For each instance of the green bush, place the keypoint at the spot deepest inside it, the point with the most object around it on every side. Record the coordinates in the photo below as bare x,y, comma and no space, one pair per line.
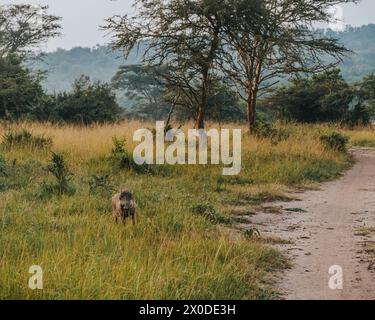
24,138
335,141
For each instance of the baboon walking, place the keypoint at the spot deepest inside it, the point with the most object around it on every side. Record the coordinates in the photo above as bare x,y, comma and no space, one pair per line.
124,206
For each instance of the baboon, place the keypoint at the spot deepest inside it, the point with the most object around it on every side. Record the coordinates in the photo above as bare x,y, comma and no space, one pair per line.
124,206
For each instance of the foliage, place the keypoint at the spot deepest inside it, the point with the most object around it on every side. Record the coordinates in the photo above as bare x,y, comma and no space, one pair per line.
20,89
335,141
324,97
275,39
265,130
23,28
144,86
184,34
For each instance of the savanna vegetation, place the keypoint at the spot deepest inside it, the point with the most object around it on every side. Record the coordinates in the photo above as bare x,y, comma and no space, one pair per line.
55,211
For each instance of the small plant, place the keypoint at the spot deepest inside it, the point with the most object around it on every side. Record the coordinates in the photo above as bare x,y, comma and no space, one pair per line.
60,171
208,212
119,155
251,234
124,160
219,184
3,167
335,141
24,138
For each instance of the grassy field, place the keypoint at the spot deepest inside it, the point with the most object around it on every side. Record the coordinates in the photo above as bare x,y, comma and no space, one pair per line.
176,251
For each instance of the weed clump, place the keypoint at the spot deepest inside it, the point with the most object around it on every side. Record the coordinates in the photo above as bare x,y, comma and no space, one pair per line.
25,139
335,141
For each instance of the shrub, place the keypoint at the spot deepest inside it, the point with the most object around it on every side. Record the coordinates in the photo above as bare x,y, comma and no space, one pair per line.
87,103
335,141
265,130
124,160
24,138
62,174
207,211
101,183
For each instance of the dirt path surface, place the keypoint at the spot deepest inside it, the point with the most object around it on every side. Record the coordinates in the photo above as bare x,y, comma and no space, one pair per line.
327,227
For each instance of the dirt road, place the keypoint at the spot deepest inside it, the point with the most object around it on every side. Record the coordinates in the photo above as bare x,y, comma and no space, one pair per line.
328,227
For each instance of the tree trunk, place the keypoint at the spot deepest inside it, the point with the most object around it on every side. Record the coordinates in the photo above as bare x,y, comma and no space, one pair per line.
199,124
170,115
251,111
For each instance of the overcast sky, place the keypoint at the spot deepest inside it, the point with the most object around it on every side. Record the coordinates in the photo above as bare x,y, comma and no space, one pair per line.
82,18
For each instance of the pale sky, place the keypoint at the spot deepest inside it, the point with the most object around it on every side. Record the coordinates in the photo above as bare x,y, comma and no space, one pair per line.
82,18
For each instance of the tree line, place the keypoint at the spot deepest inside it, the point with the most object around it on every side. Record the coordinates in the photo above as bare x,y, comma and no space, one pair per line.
201,60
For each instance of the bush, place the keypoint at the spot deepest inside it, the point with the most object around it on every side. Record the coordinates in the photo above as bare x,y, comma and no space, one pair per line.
265,130
207,211
124,160
87,103
335,141
24,138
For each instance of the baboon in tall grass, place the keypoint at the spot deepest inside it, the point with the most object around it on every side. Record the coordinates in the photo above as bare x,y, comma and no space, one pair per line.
124,206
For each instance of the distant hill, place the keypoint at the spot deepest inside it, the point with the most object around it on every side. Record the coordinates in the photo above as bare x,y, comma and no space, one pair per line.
64,66
100,63
361,41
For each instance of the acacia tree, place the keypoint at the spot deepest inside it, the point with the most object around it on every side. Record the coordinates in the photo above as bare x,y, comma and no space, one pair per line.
23,28
185,35
145,85
270,39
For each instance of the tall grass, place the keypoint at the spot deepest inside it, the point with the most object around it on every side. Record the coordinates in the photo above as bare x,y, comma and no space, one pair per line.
172,253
